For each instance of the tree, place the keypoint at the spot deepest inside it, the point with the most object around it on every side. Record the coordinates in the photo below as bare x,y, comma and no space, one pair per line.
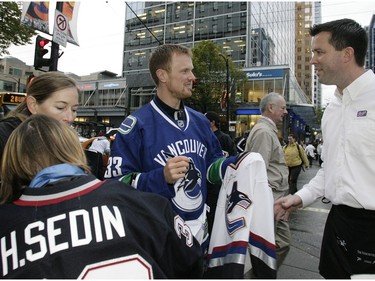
210,69
12,31
319,115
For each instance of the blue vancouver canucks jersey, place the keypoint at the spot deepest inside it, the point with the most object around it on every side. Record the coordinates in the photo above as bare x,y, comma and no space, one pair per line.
145,141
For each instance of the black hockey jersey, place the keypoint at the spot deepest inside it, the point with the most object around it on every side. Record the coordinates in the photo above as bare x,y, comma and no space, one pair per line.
244,223
86,228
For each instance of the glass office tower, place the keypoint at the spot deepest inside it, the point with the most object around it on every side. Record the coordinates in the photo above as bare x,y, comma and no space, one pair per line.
252,33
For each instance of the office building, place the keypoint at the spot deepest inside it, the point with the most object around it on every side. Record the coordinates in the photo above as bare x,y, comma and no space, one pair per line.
303,69
14,74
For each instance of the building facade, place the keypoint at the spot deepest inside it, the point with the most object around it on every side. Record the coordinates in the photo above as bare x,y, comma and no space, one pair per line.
317,87
14,74
104,103
304,20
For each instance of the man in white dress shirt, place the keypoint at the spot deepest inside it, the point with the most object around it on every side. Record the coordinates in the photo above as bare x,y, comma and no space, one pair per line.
347,176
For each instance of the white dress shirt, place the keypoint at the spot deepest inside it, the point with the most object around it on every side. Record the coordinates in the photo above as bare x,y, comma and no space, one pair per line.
347,175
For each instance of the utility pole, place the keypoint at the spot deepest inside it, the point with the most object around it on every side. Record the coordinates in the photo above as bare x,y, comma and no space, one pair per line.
55,46
227,83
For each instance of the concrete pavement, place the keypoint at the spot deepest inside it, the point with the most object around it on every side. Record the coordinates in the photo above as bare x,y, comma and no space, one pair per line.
307,226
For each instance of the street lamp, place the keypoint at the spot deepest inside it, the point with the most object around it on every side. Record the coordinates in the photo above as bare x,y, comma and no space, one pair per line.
227,82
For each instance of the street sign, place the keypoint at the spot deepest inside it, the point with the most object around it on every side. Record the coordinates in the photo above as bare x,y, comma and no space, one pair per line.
60,29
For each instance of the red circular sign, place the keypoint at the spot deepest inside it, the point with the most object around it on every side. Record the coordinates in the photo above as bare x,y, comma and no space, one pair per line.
61,22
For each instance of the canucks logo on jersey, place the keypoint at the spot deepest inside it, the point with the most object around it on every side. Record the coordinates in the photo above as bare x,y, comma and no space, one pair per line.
234,219
189,196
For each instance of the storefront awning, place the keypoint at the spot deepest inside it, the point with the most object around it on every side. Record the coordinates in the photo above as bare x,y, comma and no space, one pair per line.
307,113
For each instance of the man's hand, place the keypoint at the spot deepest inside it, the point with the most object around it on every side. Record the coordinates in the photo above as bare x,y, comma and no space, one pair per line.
285,205
175,168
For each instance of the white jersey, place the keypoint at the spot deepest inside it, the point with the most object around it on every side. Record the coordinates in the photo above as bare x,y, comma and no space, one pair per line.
244,222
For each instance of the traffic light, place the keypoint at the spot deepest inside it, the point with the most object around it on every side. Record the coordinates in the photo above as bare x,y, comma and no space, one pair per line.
40,51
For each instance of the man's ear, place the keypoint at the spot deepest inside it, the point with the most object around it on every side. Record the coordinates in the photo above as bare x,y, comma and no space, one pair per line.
162,75
349,54
270,107
31,104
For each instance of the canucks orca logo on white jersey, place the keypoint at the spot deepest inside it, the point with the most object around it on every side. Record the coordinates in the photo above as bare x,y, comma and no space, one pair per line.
189,196
234,218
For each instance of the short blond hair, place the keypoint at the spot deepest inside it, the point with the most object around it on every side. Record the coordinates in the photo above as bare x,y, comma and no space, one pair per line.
39,142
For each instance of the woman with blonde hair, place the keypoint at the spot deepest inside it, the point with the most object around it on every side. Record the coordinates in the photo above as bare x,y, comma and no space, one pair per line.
38,155
60,222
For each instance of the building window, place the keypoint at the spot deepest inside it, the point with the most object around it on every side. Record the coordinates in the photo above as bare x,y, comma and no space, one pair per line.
230,26
214,28
15,71
201,8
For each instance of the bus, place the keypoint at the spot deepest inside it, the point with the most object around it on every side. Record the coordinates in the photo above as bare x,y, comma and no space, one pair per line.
9,101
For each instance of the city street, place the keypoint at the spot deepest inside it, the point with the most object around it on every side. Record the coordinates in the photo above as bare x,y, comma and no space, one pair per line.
307,226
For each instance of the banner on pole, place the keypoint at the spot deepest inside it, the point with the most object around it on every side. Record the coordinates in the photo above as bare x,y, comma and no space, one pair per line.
35,15
70,10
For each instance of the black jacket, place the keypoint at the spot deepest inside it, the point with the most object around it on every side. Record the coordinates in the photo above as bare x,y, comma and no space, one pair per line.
84,228
226,142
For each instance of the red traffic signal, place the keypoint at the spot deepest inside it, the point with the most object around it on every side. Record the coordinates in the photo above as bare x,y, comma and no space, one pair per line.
43,42
40,52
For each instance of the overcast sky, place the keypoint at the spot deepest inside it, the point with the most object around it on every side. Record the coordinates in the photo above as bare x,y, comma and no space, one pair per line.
101,30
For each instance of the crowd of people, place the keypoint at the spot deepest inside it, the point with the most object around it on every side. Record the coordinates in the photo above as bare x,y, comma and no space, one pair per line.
153,213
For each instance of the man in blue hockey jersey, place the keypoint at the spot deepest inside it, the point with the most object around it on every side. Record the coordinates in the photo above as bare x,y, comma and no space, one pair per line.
168,148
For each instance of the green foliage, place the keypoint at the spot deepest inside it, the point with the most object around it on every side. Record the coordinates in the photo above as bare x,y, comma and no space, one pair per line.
319,115
210,69
11,29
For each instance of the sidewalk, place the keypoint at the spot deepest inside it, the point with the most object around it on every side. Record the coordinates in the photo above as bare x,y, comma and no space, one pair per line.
306,227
